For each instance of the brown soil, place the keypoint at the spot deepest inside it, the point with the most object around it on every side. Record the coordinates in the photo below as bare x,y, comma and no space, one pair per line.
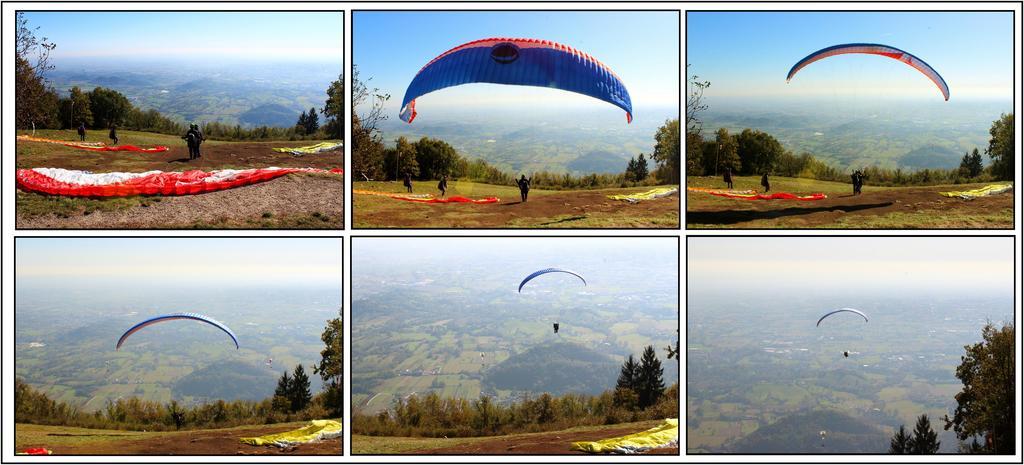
825,213
220,442
552,210
245,207
539,444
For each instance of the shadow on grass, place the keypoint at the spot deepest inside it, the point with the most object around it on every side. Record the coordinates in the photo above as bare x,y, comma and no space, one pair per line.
742,216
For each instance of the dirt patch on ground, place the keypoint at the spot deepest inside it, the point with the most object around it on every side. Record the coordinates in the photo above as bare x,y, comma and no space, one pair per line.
546,443
294,200
556,210
828,212
219,442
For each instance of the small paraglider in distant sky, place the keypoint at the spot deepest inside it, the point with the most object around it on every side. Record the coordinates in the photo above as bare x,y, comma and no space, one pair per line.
823,433
270,362
846,353
546,271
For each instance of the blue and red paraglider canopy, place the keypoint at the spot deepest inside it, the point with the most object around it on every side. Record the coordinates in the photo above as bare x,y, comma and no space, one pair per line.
523,62
176,316
874,49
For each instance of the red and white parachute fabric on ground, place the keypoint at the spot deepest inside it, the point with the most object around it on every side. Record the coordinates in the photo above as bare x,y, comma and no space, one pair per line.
751,195
96,146
75,183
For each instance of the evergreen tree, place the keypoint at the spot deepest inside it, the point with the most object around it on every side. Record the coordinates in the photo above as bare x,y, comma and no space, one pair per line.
650,384
312,122
925,440
299,395
900,443
975,165
631,169
303,122
640,169
282,393
628,375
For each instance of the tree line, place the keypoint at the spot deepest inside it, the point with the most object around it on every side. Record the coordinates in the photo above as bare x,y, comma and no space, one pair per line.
292,401
640,394
753,152
431,159
39,106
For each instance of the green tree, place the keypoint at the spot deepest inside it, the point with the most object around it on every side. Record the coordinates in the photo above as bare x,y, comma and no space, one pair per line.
435,158
925,440
401,159
282,394
631,169
1000,147
35,103
757,151
986,403
367,148
334,109
650,384
302,123
312,122
108,106
629,374
667,151
640,169
76,110
299,395
900,442
726,154
330,366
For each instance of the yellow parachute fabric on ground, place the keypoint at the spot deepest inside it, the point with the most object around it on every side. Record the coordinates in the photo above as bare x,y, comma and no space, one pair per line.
316,430
648,195
979,192
69,143
316,148
663,435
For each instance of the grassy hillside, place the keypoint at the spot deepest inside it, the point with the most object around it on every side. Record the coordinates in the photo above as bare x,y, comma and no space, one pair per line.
545,208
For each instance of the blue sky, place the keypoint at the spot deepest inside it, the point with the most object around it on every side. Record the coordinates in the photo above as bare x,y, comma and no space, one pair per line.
748,54
641,47
255,36
167,262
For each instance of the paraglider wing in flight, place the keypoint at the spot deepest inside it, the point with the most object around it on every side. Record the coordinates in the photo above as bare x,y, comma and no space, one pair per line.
177,316
841,310
522,62
874,49
546,271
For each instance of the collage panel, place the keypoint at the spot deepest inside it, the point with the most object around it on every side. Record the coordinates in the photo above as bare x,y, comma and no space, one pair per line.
179,119
851,119
491,119
193,346
535,346
871,345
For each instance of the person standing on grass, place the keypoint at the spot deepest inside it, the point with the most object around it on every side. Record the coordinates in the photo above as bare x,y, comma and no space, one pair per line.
764,182
113,134
81,131
442,185
524,187
407,182
199,139
727,177
190,138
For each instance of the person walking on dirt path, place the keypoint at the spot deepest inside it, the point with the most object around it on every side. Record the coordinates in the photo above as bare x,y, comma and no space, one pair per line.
407,182
524,187
727,177
81,131
442,185
764,182
113,134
